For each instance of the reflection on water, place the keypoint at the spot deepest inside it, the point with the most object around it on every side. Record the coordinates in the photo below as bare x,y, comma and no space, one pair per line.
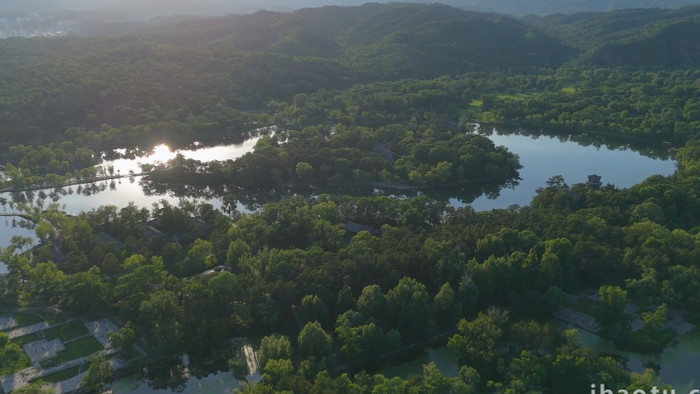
222,152
12,226
121,191
185,374
161,154
130,163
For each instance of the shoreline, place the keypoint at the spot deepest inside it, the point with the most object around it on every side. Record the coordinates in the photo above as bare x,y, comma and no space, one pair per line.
9,189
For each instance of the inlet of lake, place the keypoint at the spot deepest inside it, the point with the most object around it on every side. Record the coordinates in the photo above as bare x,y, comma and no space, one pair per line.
541,158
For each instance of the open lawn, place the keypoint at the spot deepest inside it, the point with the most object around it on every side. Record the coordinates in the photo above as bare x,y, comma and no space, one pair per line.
82,347
54,318
62,375
516,96
66,332
27,319
25,339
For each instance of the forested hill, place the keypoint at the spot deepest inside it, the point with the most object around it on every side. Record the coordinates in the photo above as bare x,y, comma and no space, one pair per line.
547,7
242,62
179,71
405,40
634,37
420,40
676,45
601,27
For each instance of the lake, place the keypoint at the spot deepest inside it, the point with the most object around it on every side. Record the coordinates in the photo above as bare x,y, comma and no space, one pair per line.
541,158
119,192
545,156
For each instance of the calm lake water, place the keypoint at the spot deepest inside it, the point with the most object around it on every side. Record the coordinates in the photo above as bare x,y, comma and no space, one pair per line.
120,192
542,157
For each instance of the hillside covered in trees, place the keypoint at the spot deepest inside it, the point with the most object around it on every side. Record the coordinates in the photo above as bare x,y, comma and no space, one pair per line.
380,95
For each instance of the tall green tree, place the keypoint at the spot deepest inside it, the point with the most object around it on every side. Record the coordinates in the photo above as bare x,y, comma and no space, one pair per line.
475,342
409,305
98,374
372,303
446,309
314,341
612,301
274,346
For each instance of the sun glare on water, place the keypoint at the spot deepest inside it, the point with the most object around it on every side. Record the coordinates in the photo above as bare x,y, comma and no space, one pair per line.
161,154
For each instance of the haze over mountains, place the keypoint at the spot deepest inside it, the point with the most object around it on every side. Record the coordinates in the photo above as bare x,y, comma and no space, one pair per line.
409,37
31,18
150,8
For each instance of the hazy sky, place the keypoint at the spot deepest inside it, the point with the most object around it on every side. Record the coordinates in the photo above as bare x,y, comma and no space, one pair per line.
141,9
169,6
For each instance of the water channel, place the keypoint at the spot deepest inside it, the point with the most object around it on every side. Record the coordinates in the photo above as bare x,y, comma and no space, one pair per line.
541,158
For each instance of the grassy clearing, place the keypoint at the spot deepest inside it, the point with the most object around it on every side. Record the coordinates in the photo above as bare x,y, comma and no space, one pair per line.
27,319
476,103
517,96
568,90
82,347
29,338
55,318
66,332
62,375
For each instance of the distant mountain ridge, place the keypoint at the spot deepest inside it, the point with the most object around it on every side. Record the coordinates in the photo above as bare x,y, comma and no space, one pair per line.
675,45
412,40
249,60
138,9
408,40
586,30
547,7
635,37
